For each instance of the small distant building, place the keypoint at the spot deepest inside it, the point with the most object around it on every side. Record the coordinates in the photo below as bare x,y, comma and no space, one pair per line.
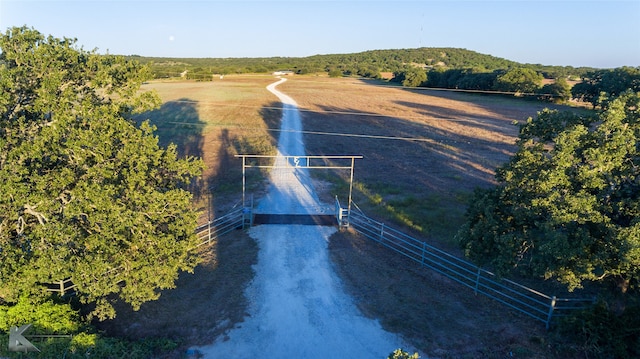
283,73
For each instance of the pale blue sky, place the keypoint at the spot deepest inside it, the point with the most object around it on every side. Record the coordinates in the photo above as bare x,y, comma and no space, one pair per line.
602,34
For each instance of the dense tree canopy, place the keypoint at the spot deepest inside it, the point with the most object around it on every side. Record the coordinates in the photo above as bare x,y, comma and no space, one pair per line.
568,203
558,91
366,64
410,77
600,86
86,195
520,80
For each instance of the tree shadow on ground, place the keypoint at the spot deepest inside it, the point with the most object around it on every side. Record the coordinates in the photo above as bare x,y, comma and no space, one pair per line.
393,147
178,122
227,176
194,313
272,116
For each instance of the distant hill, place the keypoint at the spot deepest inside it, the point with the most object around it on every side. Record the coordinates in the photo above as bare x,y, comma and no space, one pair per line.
366,64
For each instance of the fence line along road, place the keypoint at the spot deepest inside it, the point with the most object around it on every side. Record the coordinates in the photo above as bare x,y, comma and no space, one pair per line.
533,303
206,233
237,218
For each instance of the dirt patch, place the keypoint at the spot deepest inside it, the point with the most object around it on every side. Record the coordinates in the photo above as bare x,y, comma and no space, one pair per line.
440,317
204,305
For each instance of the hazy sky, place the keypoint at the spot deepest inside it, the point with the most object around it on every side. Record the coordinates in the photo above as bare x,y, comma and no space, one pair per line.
601,34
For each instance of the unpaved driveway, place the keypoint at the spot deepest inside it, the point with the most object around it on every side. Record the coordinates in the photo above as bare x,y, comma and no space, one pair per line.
298,306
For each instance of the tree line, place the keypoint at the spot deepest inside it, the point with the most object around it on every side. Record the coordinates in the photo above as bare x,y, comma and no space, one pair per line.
594,86
447,68
370,64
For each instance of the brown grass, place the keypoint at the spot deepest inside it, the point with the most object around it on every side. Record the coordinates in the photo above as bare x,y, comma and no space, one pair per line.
445,145
424,152
216,121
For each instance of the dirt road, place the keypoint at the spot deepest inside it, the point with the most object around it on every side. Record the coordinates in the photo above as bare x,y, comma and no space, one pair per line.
298,306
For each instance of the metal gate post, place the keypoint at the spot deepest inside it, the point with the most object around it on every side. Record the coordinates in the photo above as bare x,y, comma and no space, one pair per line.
346,217
552,307
353,159
244,167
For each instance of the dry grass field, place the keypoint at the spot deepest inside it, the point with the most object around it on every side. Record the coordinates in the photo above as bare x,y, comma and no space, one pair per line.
216,121
424,153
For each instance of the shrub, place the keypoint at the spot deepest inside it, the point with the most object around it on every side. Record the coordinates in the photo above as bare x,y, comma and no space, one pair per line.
602,333
401,354
45,316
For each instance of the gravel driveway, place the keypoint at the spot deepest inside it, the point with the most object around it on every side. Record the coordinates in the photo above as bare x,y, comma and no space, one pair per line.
298,307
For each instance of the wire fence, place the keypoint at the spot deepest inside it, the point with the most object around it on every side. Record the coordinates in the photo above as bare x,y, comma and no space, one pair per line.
540,306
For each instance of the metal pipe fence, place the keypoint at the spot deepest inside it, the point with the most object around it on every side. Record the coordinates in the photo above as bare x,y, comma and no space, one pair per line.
206,233
237,218
528,301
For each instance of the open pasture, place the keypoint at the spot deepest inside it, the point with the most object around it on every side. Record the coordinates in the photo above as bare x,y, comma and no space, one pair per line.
424,150
216,121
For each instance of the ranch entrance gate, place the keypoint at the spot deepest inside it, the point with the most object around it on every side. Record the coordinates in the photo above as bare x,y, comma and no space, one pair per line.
291,163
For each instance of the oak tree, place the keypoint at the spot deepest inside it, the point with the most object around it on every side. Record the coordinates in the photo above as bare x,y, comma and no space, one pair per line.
410,76
600,86
559,91
568,203
86,195
519,80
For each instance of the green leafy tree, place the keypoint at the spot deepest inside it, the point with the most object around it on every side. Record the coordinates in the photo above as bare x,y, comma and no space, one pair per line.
519,80
568,203
477,80
586,91
333,72
559,91
599,87
86,195
412,77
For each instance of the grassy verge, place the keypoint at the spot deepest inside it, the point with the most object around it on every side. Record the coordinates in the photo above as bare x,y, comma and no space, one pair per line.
424,150
84,345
